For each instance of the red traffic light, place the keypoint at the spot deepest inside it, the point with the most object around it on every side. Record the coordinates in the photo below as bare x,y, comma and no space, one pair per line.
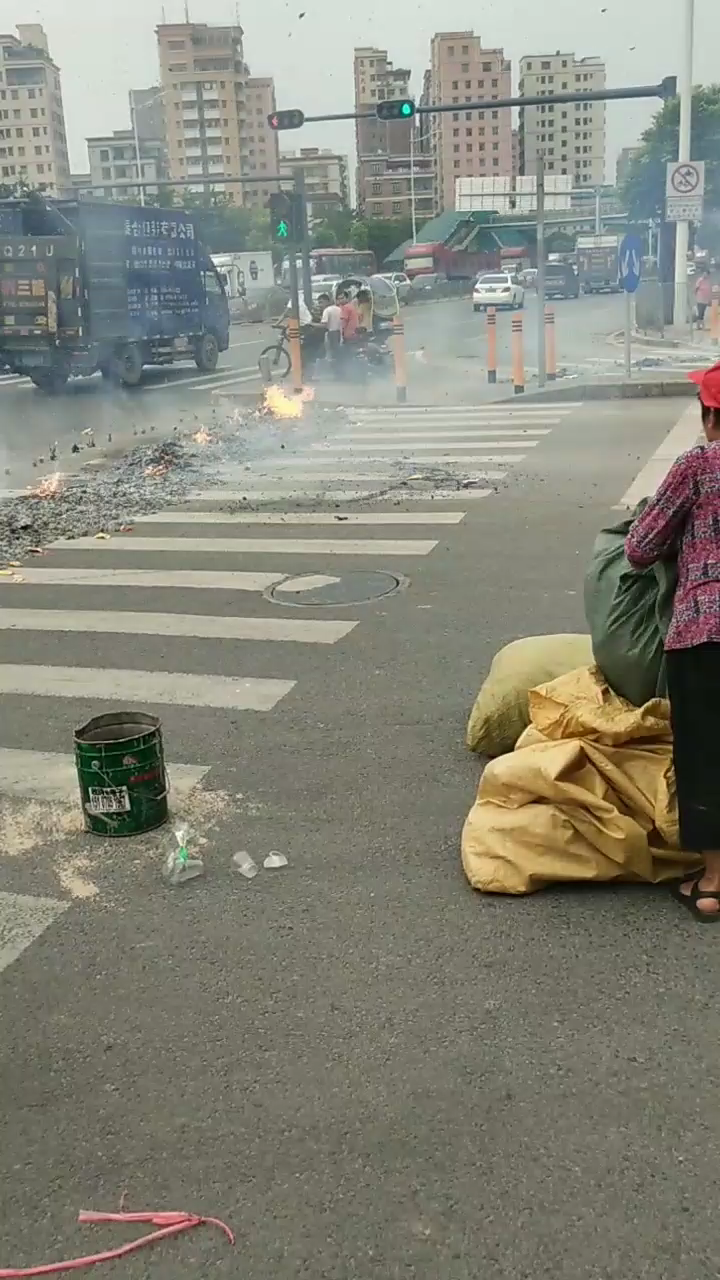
286,120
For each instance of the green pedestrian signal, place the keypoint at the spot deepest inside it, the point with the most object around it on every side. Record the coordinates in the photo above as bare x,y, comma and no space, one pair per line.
396,109
286,217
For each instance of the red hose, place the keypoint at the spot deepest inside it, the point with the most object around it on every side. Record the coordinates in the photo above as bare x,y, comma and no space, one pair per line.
170,1224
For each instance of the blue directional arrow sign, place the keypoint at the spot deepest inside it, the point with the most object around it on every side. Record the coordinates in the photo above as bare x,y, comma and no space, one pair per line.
630,262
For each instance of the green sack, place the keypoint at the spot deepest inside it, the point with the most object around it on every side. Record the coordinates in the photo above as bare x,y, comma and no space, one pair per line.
628,613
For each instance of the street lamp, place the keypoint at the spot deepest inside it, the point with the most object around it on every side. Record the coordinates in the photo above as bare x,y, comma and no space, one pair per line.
136,135
413,213
685,82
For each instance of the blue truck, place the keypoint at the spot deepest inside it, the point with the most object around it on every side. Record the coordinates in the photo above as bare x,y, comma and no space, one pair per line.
88,286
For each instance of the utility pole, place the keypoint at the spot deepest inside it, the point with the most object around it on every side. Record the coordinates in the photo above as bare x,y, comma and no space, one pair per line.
598,226
304,238
682,233
413,214
138,160
541,354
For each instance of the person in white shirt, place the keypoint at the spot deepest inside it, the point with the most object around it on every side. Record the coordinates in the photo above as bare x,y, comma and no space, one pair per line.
332,320
304,315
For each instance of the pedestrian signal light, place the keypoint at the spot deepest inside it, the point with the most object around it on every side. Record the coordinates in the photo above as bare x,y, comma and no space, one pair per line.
286,217
397,109
286,120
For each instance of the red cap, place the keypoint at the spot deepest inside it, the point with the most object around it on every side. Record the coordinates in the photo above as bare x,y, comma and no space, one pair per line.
708,380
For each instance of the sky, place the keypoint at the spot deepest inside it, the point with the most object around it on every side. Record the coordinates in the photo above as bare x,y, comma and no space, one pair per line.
105,48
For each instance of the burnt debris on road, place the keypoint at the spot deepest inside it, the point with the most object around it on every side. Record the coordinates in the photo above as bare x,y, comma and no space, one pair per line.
106,495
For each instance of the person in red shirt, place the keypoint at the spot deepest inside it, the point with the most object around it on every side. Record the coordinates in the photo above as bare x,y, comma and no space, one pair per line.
684,516
349,316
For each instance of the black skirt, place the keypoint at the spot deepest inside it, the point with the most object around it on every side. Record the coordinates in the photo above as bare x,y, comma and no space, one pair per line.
693,677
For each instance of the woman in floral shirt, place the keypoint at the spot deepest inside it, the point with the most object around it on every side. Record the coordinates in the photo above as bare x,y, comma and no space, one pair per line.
684,516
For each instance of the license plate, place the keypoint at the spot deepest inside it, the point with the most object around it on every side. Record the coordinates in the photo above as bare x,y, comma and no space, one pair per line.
108,800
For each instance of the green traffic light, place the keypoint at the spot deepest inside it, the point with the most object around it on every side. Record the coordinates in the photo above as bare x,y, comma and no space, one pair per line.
282,230
406,109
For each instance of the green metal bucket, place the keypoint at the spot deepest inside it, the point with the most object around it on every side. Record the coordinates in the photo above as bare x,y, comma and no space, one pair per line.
121,771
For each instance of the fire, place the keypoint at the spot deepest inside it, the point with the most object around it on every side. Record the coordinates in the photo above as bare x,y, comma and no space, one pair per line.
202,436
280,405
158,471
49,486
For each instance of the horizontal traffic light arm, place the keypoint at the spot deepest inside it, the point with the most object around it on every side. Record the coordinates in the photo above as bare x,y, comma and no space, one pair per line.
666,89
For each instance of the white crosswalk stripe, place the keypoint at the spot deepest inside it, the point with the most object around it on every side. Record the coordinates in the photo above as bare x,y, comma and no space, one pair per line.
197,626
390,445
23,919
259,546
302,517
51,775
456,433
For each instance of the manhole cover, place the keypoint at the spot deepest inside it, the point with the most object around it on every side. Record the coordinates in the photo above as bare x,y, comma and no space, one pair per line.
313,590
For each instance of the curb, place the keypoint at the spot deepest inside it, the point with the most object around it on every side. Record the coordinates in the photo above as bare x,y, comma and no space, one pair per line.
642,339
633,390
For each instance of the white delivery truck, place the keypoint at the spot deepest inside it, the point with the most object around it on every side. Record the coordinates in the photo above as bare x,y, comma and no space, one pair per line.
248,277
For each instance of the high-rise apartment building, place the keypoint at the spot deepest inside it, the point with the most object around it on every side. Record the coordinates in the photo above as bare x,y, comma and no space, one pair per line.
466,143
327,182
33,143
113,160
215,111
570,136
624,164
259,149
384,180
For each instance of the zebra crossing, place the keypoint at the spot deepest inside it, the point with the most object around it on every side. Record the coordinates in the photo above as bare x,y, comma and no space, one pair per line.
88,599
403,453
186,590
184,598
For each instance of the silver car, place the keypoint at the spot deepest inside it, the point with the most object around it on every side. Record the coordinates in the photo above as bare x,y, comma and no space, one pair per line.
400,283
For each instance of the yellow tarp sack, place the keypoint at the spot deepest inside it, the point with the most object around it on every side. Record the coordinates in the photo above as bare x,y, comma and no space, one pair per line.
588,794
501,710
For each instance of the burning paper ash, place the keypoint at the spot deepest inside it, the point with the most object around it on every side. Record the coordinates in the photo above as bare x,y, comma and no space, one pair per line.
277,404
202,436
72,506
49,486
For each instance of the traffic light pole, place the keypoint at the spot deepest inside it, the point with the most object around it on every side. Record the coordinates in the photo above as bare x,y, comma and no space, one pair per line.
294,325
305,238
392,110
540,259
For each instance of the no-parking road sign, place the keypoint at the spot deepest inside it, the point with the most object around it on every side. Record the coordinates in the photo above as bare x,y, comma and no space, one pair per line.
684,190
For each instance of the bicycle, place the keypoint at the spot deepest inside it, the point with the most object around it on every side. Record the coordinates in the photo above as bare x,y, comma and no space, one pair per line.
277,357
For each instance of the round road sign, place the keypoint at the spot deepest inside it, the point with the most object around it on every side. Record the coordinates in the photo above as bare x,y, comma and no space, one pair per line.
686,179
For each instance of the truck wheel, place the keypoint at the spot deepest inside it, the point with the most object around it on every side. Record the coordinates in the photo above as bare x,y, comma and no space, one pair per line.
126,366
207,353
51,381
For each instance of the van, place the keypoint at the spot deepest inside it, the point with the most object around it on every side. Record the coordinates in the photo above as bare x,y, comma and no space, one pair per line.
561,281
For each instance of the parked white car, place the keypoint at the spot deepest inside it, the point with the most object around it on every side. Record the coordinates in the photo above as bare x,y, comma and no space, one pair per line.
400,283
498,289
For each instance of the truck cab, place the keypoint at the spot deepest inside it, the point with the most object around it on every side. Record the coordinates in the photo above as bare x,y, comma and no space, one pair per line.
87,287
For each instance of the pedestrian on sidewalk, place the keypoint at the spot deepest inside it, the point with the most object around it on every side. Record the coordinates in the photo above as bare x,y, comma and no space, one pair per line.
684,515
703,297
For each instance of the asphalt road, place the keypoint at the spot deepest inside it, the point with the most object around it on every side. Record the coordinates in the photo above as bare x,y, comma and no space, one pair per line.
364,1067
446,343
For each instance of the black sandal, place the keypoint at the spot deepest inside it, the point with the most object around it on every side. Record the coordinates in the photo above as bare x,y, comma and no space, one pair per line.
690,900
